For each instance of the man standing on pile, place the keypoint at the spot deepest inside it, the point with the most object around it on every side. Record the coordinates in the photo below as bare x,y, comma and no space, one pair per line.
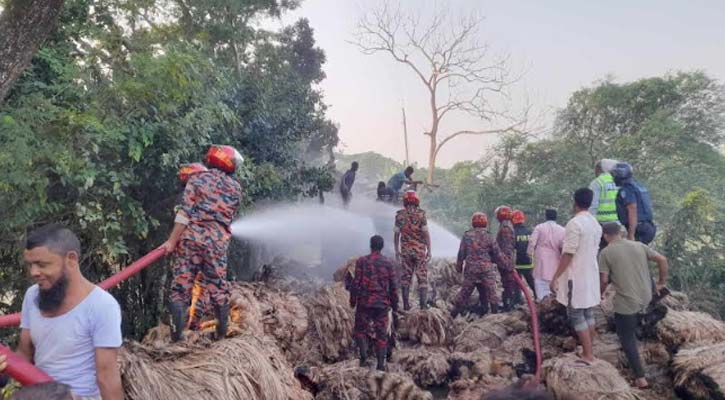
202,230
479,251
576,281
624,263
604,207
373,293
634,206
545,247
412,247
524,266
396,182
506,242
348,179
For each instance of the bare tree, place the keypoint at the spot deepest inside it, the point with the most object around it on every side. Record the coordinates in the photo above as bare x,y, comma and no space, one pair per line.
24,25
460,73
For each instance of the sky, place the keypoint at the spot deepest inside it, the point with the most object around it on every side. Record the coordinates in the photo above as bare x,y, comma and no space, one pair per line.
563,45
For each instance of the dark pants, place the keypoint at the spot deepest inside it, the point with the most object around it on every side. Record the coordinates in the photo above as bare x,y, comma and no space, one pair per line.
645,232
626,330
528,275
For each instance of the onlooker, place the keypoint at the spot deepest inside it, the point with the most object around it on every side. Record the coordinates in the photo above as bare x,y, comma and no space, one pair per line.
634,206
44,391
576,281
397,181
70,328
348,179
624,263
385,193
545,247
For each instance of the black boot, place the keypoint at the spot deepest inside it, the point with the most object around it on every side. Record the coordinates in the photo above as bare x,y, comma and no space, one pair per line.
380,353
406,298
423,294
455,311
222,316
362,345
507,300
178,320
482,308
494,308
517,297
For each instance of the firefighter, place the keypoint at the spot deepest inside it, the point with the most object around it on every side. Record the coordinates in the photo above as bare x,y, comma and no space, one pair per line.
524,266
506,243
412,247
199,298
201,235
479,251
373,293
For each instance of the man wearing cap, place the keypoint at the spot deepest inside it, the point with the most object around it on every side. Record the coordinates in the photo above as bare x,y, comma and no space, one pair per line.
603,206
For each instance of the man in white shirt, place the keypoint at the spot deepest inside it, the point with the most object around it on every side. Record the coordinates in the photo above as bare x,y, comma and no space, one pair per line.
576,281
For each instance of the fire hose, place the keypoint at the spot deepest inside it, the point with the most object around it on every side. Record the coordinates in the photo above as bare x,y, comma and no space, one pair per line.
534,328
26,373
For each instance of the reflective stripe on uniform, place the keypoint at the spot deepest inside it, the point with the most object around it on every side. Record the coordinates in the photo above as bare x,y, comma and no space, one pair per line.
607,210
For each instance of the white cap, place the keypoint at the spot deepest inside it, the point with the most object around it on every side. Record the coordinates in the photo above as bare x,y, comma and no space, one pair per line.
607,164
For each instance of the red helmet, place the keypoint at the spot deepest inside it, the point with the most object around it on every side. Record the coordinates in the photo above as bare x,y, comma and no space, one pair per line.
411,199
518,217
479,220
187,170
225,158
503,213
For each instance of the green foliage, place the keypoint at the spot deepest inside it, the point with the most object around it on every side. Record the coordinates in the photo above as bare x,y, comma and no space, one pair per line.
121,95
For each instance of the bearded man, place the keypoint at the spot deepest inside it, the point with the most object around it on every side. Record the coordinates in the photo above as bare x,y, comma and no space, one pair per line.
70,328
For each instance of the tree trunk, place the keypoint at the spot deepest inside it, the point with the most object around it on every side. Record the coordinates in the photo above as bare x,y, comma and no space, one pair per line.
24,25
431,158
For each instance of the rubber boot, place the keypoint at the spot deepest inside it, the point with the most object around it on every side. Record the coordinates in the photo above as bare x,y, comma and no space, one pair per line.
380,353
482,308
222,316
455,311
406,298
494,308
423,295
362,345
178,320
507,300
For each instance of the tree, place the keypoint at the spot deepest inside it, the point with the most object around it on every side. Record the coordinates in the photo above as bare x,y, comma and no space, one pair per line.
24,25
460,74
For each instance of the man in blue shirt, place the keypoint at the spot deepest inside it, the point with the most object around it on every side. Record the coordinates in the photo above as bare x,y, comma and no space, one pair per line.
634,206
397,181
70,328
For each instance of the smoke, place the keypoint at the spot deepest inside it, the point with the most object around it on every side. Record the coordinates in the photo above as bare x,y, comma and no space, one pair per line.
326,236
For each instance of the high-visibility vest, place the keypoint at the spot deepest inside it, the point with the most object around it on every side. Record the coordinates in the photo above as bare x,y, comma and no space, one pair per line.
607,211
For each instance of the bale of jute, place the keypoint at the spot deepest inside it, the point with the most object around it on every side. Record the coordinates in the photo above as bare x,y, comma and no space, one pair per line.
678,328
429,327
243,367
471,365
346,380
489,331
700,371
552,317
565,376
428,366
475,389
331,320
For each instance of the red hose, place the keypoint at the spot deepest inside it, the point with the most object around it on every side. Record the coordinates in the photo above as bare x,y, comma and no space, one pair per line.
534,327
28,374
21,370
131,270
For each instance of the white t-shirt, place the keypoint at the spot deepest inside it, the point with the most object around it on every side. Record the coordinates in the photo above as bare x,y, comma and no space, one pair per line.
581,238
65,345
